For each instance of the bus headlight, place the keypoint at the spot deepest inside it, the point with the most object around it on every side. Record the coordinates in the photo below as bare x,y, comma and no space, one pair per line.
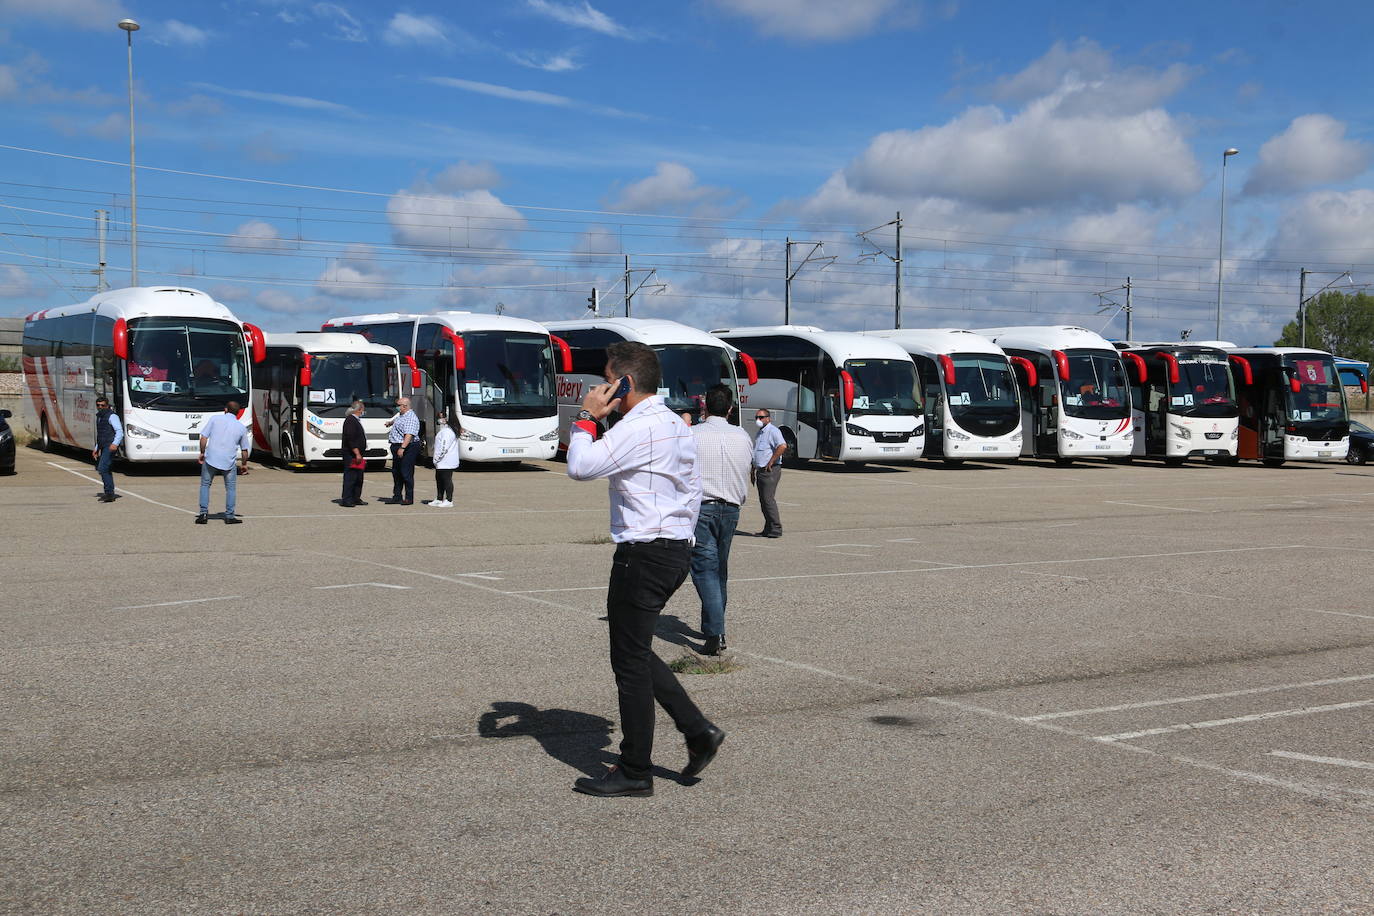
1182,432
1016,436
549,436
854,430
956,435
139,432
1235,433
1070,434
920,430
469,436
316,431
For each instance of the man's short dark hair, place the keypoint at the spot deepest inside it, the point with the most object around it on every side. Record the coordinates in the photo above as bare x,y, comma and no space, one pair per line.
719,400
637,360
232,406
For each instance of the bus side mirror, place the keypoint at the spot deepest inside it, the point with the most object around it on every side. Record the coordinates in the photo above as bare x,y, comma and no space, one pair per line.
564,353
1247,375
1137,363
416,383
121,339
847,385
460,350
1364,385
256,340
751,368
305,370
1028,367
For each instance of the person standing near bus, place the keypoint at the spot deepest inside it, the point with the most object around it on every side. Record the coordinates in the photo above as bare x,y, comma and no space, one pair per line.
445,459
223,439
769,446
649,459
725,456
404,439
109,433
355,464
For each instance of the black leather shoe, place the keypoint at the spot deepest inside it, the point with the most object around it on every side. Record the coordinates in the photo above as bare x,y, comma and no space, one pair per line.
615,784
361,502
107,497
202,519
233,520
701,750
714,645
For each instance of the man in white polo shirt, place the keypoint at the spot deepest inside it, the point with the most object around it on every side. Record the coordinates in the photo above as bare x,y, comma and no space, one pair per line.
649,459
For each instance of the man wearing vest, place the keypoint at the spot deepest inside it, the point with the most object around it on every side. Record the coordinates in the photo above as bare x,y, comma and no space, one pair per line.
109,434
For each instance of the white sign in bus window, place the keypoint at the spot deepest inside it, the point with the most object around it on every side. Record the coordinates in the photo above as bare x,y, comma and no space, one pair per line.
329,396
317,397
474,390
861,402
663,392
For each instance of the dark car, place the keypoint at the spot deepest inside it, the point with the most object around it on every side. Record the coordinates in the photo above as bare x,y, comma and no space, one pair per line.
6,444
1361,443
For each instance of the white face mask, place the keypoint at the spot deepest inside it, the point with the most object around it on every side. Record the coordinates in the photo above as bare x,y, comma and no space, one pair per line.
760,423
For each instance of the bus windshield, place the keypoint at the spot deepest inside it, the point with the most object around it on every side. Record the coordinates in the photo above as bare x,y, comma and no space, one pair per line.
186,364
884,386
1204,387
1320,395
688,370
339,379
508,375
983,396
1096,386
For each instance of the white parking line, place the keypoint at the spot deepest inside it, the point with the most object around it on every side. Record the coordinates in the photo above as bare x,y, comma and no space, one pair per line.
1344,614
824,546
139,607
1234,720
1146,704
1115,502
1333,761
121,489
362,585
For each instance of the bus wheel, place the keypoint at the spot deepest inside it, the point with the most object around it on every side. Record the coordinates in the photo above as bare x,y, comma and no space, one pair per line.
1356,455
1273,462
288,450
44,439
1175,461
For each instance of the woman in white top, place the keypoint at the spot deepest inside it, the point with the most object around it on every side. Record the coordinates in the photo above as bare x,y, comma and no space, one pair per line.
445,459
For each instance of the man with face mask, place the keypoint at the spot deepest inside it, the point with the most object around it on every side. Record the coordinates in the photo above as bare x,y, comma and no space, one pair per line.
769,446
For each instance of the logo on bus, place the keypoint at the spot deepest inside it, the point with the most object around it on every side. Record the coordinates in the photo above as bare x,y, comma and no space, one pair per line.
569,390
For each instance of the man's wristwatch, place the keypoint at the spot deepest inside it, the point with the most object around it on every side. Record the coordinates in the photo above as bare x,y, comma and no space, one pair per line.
584,414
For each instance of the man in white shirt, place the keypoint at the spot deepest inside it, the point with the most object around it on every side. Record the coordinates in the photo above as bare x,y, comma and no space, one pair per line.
724,455
649,459
769,447
224,448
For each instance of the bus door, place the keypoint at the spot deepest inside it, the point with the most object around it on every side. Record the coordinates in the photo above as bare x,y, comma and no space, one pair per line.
1273,422
1156,410
806,406
828,433
1046,404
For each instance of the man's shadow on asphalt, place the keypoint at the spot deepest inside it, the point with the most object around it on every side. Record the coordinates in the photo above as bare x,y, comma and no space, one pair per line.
580,740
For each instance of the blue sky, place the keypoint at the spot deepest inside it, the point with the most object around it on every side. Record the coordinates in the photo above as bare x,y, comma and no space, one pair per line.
461,155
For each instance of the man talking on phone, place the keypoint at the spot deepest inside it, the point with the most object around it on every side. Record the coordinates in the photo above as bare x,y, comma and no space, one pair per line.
649,458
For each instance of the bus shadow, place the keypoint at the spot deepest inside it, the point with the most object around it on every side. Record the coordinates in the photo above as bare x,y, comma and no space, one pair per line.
833,467
501,467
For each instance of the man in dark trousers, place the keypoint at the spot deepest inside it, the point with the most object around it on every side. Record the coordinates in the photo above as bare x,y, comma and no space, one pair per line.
649,459
109,433
405,450
354,445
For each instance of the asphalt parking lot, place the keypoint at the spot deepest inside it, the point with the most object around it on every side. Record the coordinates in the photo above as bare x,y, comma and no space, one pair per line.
990,689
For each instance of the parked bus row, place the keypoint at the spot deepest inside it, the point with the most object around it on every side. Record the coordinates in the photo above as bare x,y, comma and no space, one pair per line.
167,357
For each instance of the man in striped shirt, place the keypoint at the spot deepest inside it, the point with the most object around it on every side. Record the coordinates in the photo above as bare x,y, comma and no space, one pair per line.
649,460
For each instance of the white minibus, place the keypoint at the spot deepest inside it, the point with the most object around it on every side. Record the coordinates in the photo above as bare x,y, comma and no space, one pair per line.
973,408
168,358
1183,402
302,391
692,361
1078,404
834,394
497,371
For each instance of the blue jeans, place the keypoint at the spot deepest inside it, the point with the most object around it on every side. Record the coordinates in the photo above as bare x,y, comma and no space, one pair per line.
209,473
711,563
102,466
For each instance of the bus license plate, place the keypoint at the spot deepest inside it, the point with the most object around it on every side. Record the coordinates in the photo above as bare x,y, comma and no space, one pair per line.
512,451
1211,451
1102,446
190,448
891,448
1325,454
989,448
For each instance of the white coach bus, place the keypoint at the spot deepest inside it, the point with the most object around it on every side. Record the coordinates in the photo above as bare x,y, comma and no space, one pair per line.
1292,405
168,358
1079,403
497,371
692,361
1183,402
835,394
971,394
303,389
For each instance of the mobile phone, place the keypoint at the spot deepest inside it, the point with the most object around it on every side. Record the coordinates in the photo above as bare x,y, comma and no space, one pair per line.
622,387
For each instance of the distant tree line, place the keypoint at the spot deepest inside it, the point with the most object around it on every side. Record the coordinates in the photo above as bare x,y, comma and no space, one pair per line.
1337,322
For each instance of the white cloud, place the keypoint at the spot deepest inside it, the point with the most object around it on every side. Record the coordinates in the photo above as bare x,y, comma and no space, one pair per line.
173,32
672,188
9,83
447,225
346,25
1312,151
820,20
15,283
85,14
1127,225
407,28
256,235
551,63
276,98
1330,226
1084,80
357,275
283,303
583,16
530,96
467,176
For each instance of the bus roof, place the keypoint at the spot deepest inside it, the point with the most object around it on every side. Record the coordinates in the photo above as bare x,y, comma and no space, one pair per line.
649,331
1047,337
458,321
839,345
1177,346
1279,351
144,302
935,341
317,342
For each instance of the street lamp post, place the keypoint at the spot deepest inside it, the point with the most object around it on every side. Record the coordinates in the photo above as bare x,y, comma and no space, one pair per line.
1221,240
130,27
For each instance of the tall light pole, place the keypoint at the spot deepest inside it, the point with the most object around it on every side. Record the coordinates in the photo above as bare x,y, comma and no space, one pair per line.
1221,240
130,27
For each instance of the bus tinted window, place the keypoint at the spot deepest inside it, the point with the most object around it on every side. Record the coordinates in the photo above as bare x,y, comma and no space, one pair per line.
1096,387
507,375
186,364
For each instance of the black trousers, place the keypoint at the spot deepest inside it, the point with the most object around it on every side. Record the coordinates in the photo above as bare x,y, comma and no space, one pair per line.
403,470
443,483
352,484
643,578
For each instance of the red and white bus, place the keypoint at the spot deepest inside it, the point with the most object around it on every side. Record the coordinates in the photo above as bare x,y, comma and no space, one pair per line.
168,358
